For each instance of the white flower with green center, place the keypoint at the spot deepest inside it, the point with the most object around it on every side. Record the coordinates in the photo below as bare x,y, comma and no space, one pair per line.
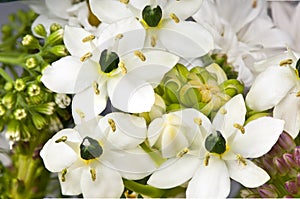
279,87
112,66
220,152
164,22
93,157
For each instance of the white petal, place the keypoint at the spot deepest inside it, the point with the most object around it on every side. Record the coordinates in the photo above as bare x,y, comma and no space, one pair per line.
71,185
133,36
183,8
58,156
281,14
62,75
259,137
186,39
89,104
73,40
288,110
132,164
89,73
174,172
210,181
58,7
47,21
154,130
250,176
129,133
270,87
130,94
103,10
153,69
233,112
108,183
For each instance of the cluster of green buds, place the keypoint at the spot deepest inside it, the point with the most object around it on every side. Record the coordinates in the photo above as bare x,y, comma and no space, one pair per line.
282,163
222,61
203,88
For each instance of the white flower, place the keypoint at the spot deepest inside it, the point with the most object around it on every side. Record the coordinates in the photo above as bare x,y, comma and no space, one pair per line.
93,157
278,86
243,31
164,22
219,152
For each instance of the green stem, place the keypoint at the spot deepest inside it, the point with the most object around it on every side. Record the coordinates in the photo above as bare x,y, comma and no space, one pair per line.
153,154
5,75
12,58
145,190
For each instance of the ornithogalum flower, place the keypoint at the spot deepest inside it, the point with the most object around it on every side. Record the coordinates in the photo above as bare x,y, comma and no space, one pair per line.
93,157
219,152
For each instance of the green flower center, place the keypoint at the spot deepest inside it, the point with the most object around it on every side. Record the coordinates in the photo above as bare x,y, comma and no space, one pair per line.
215,143
109,61
90,149
152,16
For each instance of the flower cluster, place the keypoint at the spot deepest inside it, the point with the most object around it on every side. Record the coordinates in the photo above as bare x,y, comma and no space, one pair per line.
171,98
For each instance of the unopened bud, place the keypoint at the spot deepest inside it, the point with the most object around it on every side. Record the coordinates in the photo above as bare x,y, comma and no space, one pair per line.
268,165
2,110
267,191
281,165
8,86
232,87
40,30
47,109
289,159
59,50
189,96
20,85
9,100
30,42
286,142
38,121
55,37
171,89
291,187
55,27
31,62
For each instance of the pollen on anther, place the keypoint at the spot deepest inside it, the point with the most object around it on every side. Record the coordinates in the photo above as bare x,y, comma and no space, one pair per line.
239,127
122,66
140,55
80,113
63,175
254,3
124,1
119,36
198,121
241,159
88,38
206,160
85,56
153,40
112,124
286,62
93,174
96,89
174,17
183,152
62,139
223,111
298,94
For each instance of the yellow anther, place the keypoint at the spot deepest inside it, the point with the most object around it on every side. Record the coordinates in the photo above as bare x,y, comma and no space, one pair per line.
124,1
223,111
112,124
140,55
63,175
88,38
96,89
93,174
198,121
153,40
80,113
298,94
119,36
129,194
122,66
174,17
254,3
239,127
206,160
62,139
183,152
286,62
241,159
85,56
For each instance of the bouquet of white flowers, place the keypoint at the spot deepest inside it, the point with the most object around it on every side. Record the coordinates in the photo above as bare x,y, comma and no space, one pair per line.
151,98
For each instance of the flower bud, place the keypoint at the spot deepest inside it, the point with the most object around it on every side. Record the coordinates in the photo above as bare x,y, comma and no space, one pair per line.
2,110
6,30
31,63
59,50
158,109
291,187
286,142
40,30
171,91
189,96
30,42
9,100
55,27
8,86
232,87
276,151
267,191
289,159
55,37
281,166
20,85
174,107
20,114
297,152
34,90
47,109
38,121
62,100
268,165
179,72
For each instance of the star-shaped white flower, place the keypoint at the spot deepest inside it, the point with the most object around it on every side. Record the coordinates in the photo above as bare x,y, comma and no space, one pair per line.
164,21
113,65
279,87
93,157
219,152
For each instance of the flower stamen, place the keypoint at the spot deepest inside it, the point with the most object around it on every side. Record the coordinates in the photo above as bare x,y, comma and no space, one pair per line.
206,159
62,139
112,124
122,66
298,94
93,174
63,175
119,36
174,18
88,38
96,89
198,121
124,1
80,113
140,55
254,3
239,127
183,152
223,111
85,56
286,62
241,159
153,40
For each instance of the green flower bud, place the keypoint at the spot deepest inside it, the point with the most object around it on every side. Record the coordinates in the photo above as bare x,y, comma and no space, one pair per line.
189,96
158,109
40,30
55,27
20,85
55,37
38,121
20,114
9,100
174,107
59,50
232,87
172,88
2,110
13,131
179,72
47,109
8,86
34,90
203,75
30,42
6,30
31,62
217,71
256,116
